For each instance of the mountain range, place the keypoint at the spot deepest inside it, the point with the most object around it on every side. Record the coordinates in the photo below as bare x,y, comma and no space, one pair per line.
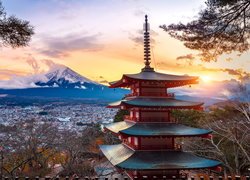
59,82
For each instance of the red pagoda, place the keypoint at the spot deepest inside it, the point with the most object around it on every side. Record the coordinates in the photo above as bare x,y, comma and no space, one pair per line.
148,134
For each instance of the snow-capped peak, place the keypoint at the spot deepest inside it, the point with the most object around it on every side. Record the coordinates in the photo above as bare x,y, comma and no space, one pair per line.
63,76
57,76
63,72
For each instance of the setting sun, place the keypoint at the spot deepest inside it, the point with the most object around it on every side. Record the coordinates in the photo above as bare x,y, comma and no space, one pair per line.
206,78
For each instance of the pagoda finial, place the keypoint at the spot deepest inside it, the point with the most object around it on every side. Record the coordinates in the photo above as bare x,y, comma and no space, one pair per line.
147,46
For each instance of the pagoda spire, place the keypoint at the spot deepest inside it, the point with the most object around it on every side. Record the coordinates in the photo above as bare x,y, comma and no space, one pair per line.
147,46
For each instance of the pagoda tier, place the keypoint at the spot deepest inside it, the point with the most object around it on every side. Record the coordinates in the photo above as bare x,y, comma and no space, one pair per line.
155,129
155,102
124,157
166,80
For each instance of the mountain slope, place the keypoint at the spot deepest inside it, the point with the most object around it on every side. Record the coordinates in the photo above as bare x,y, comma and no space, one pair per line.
64,77
60,82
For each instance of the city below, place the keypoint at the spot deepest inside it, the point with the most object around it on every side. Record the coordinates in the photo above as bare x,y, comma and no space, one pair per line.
64,115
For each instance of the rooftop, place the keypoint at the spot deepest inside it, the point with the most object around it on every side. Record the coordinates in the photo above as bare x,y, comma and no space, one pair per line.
156,102
170,79
123,157
155,129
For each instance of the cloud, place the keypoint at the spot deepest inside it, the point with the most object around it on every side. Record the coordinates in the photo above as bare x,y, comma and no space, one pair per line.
138,37
62,46
217,90
49,63
7,74
54,53
101,80
39,66
189,58
203,68
139,12
238,73
19,79
104,82
33,63
19,82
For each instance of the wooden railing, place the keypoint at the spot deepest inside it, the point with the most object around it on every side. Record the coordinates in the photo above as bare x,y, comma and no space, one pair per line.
151,94
130,95
152,147
154,119
157,94
127,117
147,119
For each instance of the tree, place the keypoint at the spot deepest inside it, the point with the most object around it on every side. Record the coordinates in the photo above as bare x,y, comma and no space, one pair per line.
82,151
188,117
230,141
14,32
28,146
120,115
222,27
35,148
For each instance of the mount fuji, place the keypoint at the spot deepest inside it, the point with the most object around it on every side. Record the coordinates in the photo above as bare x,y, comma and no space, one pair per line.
59,82
64,77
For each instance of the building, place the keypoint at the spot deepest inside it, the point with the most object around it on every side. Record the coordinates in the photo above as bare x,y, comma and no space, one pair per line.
149,133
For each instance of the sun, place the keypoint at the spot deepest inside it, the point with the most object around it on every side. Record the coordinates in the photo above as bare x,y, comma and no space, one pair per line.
206,78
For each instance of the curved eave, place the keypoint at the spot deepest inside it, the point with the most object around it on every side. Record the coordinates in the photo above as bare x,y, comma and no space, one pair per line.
156,76
163,129
168,79
116,153
170,103
115,104
155,129
125,158
119,126
119,83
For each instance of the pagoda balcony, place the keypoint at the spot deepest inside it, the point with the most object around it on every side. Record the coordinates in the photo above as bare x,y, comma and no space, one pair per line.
125,141
155,147
131,95
160,147
170,95
154,119
127,117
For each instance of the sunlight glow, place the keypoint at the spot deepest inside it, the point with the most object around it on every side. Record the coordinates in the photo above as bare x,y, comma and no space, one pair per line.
205,78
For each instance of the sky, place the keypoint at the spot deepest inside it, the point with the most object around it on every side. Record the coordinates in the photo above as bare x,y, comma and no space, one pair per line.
102,39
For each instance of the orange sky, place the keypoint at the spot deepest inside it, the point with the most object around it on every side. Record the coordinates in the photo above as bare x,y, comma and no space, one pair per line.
103,38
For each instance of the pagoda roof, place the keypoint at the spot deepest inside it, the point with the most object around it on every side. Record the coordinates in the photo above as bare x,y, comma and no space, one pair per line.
155,129
154,76
156,102
119,126
123,157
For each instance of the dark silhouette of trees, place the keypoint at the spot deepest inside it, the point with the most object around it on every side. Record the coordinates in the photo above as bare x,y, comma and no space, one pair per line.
222,27
230,139
14,32
120,115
